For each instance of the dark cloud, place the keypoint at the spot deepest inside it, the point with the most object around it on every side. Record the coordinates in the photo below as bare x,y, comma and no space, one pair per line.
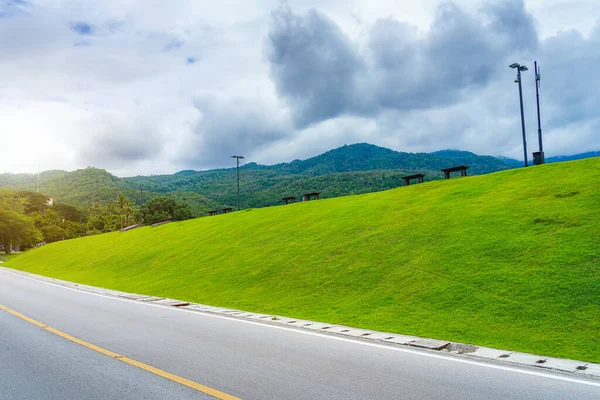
312,63
570,77
230,126
321,74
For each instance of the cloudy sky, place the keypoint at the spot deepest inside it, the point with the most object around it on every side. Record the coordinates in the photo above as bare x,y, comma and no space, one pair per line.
154,86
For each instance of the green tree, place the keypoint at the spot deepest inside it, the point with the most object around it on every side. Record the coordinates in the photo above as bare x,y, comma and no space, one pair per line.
165,208
17,229
125,210
34,201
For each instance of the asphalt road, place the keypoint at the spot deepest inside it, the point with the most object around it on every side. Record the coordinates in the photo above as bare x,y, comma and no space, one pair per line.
242,358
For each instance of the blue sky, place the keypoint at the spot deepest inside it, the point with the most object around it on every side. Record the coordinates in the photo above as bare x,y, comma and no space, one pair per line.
143,87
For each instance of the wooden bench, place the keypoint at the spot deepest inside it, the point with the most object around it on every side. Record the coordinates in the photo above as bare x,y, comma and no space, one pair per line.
289,199
461,168
313,195
213,212
227,210
415,176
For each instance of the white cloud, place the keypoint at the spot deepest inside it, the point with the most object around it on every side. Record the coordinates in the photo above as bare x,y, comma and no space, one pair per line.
123,96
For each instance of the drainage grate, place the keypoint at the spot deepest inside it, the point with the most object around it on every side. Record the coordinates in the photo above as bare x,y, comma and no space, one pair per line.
581,368
326,327
388,338
346,330
540,361
504,356
365,334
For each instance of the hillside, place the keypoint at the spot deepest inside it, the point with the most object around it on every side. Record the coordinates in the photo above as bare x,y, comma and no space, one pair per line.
93,185
354,169
507,260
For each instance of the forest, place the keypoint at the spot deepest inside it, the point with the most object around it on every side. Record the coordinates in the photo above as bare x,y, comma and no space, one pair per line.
29,218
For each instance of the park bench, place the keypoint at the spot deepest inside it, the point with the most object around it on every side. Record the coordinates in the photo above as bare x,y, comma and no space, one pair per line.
408,178
461,168
311,196
289,199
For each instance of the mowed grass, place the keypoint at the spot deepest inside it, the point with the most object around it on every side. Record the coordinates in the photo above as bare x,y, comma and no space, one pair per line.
9,256
508,260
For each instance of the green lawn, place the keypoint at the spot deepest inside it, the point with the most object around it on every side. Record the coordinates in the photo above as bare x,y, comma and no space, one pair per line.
8,256
508,260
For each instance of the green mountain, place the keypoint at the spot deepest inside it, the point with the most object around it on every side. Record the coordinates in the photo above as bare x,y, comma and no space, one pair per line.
572,157
353,169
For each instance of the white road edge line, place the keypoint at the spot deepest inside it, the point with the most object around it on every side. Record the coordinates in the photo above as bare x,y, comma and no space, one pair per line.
364,343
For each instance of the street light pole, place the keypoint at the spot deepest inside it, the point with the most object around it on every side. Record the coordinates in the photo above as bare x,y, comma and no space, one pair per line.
238,178
521,68
537,98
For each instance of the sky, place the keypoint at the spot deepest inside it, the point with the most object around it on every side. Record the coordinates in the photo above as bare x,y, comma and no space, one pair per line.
143,87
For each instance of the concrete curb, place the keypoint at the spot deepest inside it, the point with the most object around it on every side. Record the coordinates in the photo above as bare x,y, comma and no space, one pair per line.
573,367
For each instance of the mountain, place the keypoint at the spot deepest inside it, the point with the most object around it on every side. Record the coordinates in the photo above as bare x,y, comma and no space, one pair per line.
573,157
511,161
518,163
351,169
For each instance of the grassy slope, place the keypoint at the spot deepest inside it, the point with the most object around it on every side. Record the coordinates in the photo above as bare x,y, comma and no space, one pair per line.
508,260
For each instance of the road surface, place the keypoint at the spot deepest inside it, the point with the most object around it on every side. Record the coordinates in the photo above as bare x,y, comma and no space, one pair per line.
240,358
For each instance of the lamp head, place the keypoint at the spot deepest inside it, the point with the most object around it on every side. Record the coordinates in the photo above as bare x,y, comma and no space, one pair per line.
523,68
515,65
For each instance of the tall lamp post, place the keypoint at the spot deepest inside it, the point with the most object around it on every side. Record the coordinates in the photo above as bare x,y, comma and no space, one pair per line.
238,177
539,157
521,68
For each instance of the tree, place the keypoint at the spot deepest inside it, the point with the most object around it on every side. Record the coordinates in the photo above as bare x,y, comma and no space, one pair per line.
165,208
68,212
35,202
17,229
124,210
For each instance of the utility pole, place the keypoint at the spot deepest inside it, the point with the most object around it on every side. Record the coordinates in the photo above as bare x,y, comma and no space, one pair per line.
540,156
238,178
521,68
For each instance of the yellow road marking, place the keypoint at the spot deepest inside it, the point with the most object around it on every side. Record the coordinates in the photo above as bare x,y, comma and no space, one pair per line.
156,371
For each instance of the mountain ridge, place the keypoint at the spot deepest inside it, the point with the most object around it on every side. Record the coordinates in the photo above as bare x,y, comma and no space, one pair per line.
346,170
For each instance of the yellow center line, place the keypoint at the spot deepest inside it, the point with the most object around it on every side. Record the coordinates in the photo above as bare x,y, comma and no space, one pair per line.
156,371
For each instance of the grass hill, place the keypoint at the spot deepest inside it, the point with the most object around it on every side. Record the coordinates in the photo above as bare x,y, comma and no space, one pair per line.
509,260
354,169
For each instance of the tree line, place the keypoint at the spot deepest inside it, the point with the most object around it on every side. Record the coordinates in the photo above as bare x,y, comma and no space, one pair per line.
29,219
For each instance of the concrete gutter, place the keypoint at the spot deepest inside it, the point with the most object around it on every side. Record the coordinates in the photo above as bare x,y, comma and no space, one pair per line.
573,367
